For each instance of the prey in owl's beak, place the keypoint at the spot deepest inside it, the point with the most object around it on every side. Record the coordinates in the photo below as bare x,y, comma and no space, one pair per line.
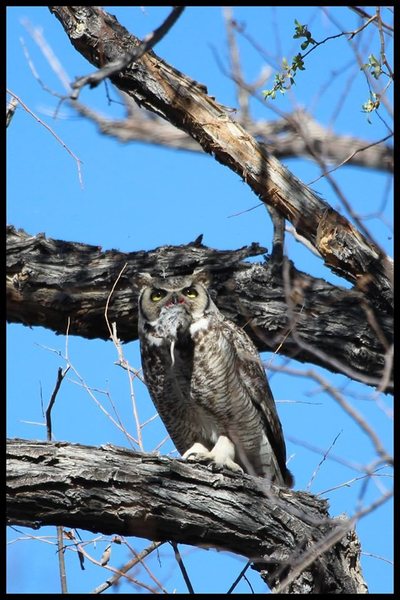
175,320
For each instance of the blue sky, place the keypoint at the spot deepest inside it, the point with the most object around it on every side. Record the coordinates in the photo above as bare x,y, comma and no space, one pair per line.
138,197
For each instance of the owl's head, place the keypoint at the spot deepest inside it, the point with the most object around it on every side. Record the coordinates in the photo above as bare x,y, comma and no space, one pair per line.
187,296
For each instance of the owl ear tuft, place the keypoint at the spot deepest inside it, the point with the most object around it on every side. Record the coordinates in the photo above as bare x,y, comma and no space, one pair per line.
200,275
140,280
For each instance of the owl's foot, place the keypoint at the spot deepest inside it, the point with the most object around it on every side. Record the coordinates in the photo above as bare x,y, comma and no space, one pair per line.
196,452
221,455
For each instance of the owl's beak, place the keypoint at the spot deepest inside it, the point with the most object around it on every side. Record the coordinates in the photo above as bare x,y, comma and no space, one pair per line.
175,299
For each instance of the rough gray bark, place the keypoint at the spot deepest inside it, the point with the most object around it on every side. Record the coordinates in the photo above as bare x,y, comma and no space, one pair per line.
116,491
163,90
51,281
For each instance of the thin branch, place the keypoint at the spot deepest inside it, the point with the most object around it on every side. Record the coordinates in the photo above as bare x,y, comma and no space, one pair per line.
122,361
60,376
350,482
60,530
363,26
24,106
239,577
352,412
364,15
333,457
111,329
118,423
371,555
61,559
348,158
37,35
146,568
127,567
323,459
182,567
241,91
382,40
117,572
302,130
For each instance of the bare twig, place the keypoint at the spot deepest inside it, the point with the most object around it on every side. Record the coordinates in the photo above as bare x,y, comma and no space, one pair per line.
60,530
348,158
364,15
323,459
61,559
37,35
382,40
302,130
60,376
312,448
182,567
89,390
239,577
141,558
24,106
363,26
117,572
371,555
110,329
117,423
129,565
350,482
351,411
241,92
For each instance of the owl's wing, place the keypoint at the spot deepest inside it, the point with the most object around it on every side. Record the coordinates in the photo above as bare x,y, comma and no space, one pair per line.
252,375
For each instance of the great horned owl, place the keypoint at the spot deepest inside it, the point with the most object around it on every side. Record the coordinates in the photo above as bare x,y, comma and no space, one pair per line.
206,379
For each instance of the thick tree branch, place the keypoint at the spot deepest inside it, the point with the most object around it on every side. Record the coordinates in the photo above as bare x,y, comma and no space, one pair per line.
160,88
116,491
53,283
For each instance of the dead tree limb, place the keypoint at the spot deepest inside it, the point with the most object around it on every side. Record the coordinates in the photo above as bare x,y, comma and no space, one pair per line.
52,283
164,90
280,137
116,491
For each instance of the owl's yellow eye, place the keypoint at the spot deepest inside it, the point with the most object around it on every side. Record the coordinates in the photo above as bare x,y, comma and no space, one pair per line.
190,292
157,295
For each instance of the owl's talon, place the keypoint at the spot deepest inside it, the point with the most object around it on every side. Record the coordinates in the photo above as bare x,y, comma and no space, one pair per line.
196,452
220,456
223,454
230,464
197,457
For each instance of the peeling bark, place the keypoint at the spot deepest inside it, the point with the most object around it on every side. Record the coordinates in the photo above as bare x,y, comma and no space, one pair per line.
116,491
50,282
